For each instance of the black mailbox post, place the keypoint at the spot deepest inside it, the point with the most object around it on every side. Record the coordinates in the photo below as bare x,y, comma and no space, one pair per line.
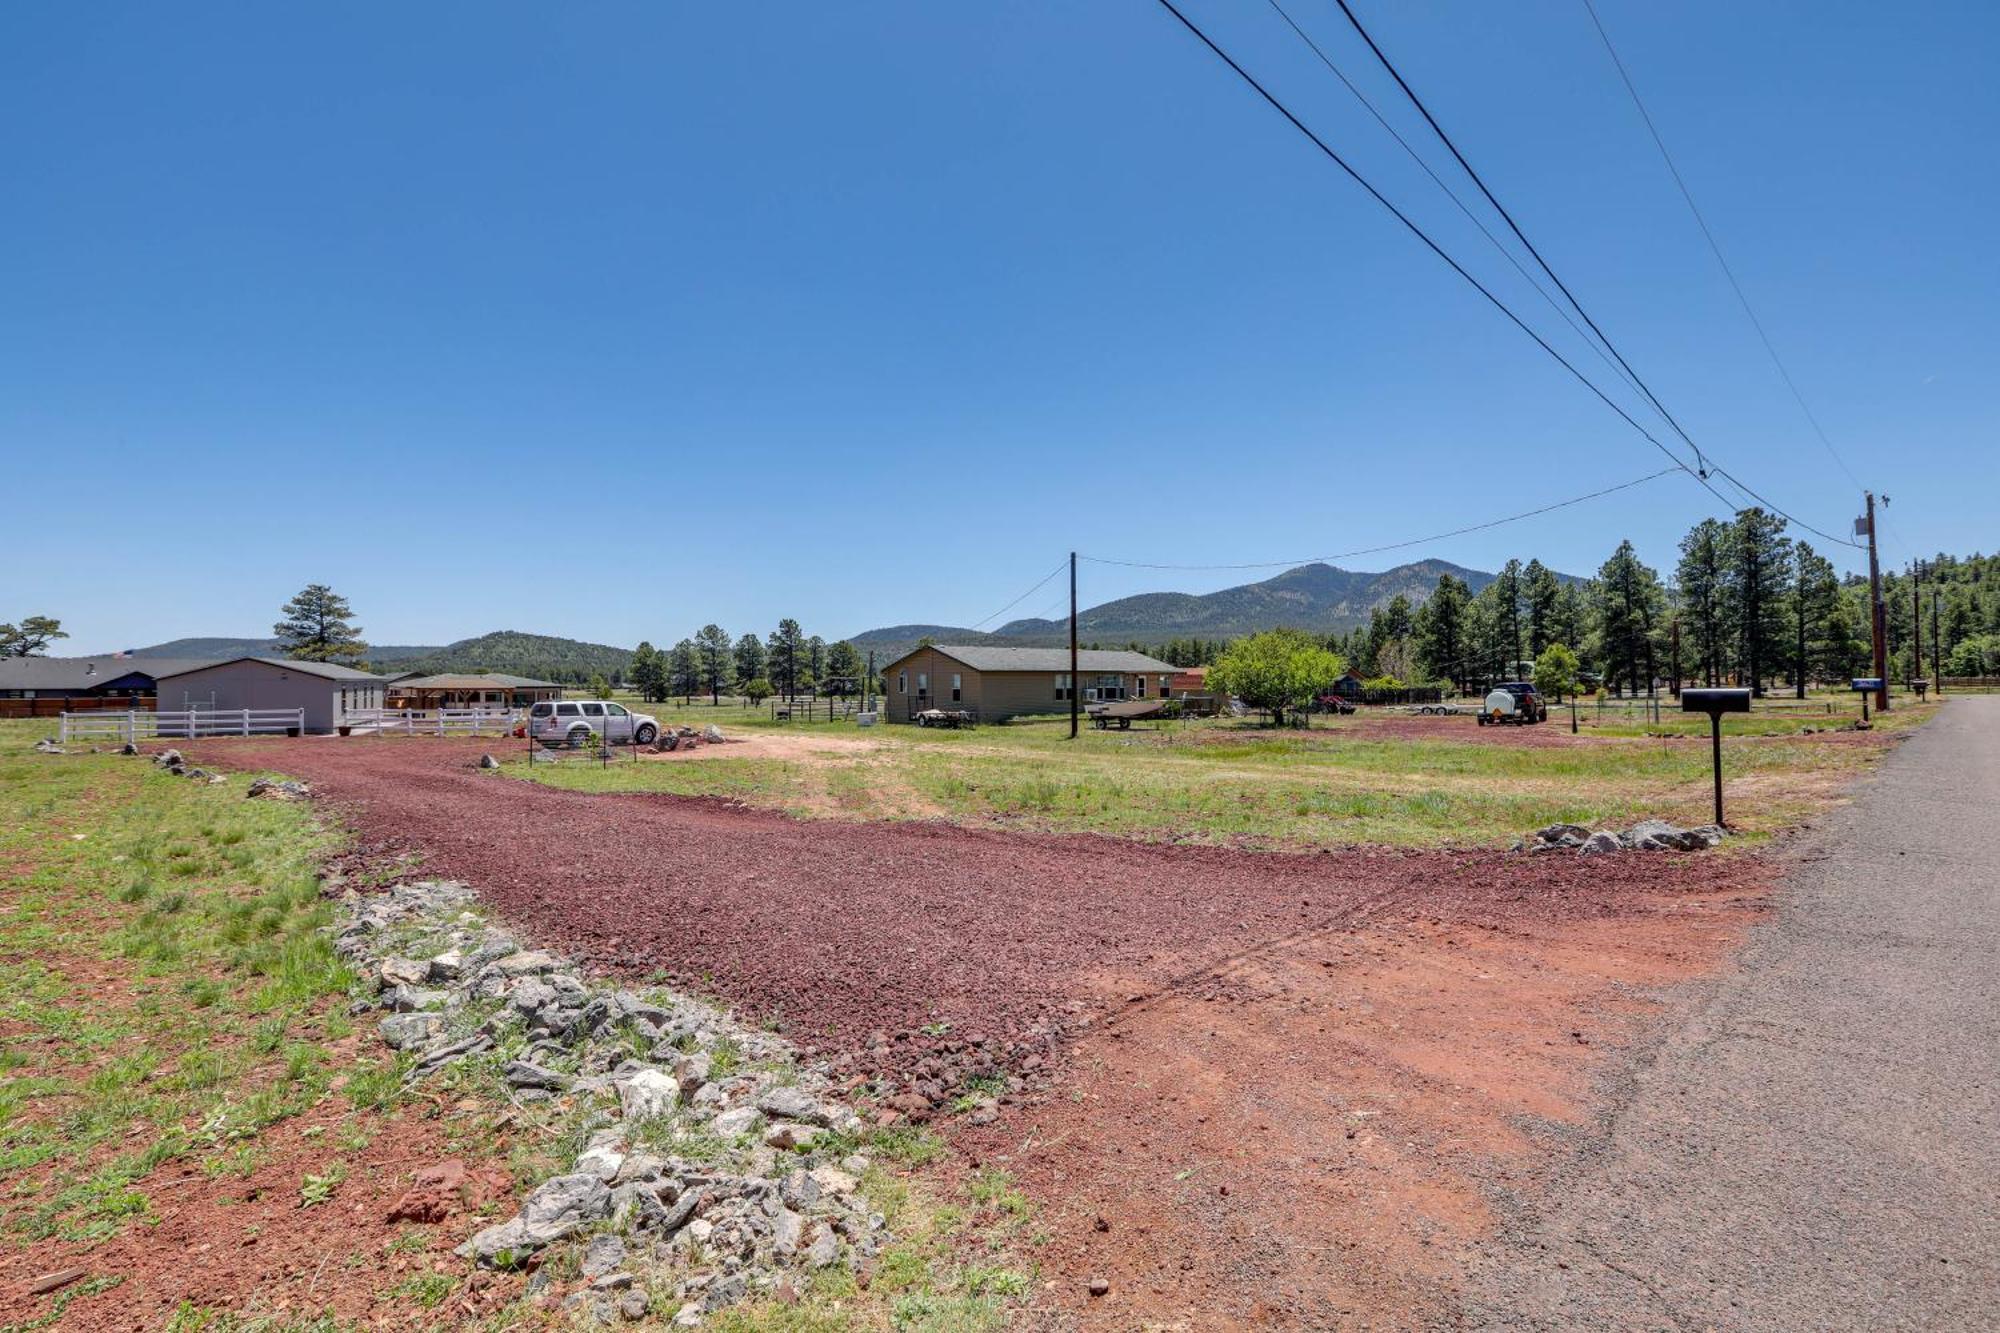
1715,703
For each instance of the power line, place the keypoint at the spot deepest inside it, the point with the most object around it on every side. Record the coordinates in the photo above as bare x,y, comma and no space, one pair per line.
1022,598
1715,247
1452,195
1514,227
1414,541
1434,247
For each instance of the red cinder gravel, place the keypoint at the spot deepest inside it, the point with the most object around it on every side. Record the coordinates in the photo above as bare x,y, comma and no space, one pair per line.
855,938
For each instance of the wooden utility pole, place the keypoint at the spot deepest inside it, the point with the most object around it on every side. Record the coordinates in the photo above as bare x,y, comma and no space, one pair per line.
1916,619
1074,697
1937,670
1878,621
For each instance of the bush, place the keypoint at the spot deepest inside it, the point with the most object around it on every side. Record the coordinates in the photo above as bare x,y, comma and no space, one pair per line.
1276,670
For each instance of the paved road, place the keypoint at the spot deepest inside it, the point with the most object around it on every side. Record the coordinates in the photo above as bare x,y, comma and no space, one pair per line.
1818,1145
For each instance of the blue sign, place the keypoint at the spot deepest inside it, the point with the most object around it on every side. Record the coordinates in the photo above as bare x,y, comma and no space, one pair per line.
1867,683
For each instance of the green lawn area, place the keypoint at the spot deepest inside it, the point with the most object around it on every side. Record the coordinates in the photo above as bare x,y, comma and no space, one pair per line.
1345,781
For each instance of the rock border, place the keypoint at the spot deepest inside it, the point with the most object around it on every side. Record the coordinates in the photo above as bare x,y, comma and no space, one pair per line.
716,1164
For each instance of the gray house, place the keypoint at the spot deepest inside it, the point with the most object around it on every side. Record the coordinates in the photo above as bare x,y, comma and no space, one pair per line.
88,677
326,692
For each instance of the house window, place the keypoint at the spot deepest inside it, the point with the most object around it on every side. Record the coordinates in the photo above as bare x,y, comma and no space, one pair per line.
1141,680
923,684
957,684
1110,685
902,682
1062,686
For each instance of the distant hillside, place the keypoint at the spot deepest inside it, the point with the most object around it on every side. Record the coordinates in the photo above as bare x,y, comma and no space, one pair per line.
1318,597
512,651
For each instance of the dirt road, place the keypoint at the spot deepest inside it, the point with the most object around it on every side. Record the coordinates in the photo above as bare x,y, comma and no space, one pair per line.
1818,1145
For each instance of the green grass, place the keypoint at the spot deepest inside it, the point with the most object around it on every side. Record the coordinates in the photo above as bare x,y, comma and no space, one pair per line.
1227,781
166,968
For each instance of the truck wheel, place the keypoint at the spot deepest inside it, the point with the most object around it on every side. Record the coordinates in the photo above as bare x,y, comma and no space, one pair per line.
578,737
646,734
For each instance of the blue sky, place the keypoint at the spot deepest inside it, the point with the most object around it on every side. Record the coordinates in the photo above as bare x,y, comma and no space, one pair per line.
611,320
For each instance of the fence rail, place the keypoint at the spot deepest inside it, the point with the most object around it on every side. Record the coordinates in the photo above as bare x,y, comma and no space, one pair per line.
189,724
433,721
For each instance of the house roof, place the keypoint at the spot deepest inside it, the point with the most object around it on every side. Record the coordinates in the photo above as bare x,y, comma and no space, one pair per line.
981,657
86,673
486,680
327,670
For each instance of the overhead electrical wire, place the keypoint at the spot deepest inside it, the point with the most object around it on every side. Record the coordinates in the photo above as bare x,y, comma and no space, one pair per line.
1707,465
1437,249
1397,546
1452,195
1714,246
1515,227
1023,597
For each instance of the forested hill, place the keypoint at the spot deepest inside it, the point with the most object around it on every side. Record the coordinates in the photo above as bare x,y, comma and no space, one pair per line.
542,655
1319,597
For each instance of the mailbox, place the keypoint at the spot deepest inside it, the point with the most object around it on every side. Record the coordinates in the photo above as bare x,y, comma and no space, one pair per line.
1715,702
1867,684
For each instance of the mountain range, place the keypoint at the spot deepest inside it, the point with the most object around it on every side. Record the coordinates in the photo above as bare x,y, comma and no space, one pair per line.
1318,597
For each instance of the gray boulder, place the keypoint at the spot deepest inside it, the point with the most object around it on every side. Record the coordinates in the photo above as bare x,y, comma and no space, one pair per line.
648,1095
556,1209
405,1031
793,1104
522,1074
1600,843
169,759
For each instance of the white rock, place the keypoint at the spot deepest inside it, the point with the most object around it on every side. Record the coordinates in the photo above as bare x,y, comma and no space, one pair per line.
739,1121
648,1095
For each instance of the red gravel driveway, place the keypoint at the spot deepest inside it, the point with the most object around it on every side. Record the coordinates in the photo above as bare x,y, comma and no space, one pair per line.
843,934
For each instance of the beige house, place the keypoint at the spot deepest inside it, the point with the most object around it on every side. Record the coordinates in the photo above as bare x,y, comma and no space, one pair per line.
326,693
996,683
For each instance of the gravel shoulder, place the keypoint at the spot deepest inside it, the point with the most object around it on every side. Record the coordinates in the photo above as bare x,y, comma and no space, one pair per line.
1815,1146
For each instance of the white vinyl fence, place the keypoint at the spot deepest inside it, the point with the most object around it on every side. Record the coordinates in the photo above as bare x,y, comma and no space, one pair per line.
433,721
186,725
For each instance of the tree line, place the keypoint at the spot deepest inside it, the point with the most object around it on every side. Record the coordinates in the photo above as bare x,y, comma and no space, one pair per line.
786,662
1743,603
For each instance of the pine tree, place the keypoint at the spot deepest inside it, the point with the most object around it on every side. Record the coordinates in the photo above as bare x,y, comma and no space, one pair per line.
1507,590
1541,590
1757,568
315,628
1815,611
1700,576
684,670
649,672
815,663
786,649
711,644
1440,631
751,661
1628,612
844,669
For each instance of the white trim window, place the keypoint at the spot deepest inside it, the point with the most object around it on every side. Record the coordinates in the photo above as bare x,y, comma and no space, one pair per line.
957,687
1062,686
902,682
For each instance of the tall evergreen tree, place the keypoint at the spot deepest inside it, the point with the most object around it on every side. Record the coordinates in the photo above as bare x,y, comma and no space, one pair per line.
1757,564
1507,591
1628,608
649,672
752,662
1440,631
786,648
315,628
844,669
711,646
1815,611
684,670
1541,590
1700,578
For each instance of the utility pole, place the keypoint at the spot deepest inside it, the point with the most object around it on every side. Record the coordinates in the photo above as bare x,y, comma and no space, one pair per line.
1937,671
1916,619
1074,696
1878,622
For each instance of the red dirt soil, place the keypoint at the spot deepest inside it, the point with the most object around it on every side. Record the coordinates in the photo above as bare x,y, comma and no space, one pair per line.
838,931
1293,1085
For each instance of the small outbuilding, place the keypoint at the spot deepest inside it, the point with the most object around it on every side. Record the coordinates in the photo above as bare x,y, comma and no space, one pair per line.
997,683
327,693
